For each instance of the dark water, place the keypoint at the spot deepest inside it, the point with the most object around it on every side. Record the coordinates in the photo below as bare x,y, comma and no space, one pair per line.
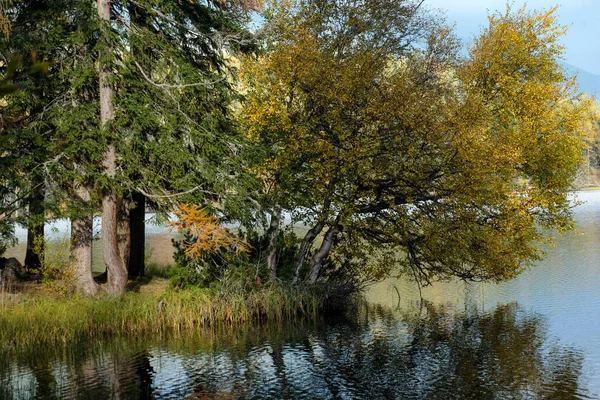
537,337
431,354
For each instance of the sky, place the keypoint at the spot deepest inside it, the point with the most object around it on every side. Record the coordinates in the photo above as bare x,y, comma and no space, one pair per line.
582,17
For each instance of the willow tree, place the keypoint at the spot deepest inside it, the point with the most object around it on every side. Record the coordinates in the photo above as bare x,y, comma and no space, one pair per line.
399,152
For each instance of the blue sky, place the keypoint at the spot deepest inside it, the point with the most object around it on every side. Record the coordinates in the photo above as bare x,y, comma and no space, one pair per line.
581,16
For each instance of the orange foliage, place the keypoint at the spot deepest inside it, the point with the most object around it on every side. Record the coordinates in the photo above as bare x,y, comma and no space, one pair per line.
210,234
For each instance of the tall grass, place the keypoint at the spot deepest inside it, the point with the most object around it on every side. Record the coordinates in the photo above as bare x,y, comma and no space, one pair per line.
35,319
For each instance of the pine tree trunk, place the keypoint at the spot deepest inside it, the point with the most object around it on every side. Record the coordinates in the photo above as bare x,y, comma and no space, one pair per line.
316,262
35,229
81,242
137,226
124,231
137,215
307,242
117,275
33,258
272,234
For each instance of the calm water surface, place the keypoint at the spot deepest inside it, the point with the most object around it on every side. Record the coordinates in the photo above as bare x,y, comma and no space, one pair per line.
535,337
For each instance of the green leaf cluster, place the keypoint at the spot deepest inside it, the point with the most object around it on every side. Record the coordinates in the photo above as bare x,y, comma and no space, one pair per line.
401,152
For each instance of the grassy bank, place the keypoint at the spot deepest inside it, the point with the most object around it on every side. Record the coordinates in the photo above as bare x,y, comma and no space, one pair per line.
28,319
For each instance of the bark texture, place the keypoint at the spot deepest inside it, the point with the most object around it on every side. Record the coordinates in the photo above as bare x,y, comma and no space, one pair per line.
124,237
272,234
312,234
81,241
317,260
307,243
34,259
117,275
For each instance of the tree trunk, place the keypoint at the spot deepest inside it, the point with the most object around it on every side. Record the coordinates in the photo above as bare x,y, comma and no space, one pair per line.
137,215
33,256
312,234
124,232
307,242
317,260
35,229
117,275
272,234
81,242
137,226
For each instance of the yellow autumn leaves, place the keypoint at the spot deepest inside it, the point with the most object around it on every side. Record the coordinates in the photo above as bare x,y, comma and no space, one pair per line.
457,162
208,232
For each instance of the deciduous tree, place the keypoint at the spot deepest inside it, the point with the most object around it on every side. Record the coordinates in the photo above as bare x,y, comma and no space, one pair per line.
401,152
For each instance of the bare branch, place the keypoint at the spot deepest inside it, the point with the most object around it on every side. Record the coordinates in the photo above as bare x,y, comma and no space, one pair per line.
168,86
168,196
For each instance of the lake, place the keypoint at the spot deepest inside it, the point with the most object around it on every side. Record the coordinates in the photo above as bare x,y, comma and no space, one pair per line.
537,336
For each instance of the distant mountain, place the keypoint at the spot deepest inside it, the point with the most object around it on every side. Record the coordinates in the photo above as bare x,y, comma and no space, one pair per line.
588,82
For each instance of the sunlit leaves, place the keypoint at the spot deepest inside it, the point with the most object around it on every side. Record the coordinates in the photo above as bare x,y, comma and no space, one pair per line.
208,232
455,162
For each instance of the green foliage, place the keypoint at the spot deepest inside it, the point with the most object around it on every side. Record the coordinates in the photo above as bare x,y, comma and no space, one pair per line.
384,138
14,64
228,267
49,125
173,127
210,269
198,272
56,270
34,319
7,238
361,119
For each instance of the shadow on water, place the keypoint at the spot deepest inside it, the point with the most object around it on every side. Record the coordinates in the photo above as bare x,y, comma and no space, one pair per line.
429,353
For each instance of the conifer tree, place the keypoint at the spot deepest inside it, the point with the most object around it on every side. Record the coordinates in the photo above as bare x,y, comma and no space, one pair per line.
47,142
176,136
141,107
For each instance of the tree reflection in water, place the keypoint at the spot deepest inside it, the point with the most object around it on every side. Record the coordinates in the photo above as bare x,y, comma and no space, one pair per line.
429,353
502,354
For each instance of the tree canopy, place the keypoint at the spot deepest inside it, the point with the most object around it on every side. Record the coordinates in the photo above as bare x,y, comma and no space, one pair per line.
135,101
387,141
364,120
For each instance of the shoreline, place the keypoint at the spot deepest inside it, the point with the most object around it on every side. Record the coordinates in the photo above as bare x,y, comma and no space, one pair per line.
37,316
